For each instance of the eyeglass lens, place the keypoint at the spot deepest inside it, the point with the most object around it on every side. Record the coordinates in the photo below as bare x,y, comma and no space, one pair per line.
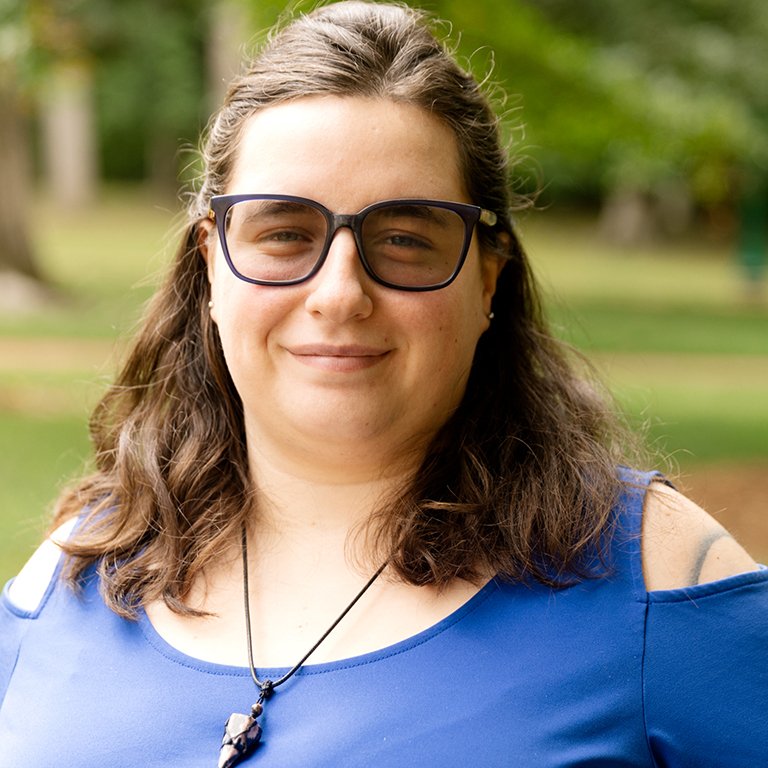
408,245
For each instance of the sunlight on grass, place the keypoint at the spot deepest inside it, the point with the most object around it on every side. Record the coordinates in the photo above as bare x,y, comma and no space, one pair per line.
576,265
103,261
601,326
124,243
696,408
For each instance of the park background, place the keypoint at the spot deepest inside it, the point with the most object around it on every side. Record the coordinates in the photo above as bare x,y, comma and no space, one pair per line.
642,127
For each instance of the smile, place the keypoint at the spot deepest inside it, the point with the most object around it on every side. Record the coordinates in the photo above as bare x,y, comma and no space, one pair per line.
341,359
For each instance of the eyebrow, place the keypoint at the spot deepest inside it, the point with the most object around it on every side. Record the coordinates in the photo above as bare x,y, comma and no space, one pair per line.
278,206
420,211
259,208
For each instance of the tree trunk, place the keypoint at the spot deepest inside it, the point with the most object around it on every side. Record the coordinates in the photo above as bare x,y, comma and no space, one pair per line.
69,140
229,28
16,252
627,218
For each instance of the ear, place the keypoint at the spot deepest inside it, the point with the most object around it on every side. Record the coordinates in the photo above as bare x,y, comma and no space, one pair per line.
491,265
206,242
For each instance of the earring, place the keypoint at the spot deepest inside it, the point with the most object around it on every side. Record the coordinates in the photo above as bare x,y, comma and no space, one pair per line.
491,315
210,304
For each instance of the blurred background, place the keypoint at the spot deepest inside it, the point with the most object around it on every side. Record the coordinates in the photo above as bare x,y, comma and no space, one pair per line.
642,127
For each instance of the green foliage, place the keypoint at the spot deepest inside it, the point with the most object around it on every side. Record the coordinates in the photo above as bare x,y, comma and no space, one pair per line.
151,85
148,59
14,35
630,95
612,94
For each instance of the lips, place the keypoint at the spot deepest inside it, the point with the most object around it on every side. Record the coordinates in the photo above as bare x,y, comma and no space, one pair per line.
338,357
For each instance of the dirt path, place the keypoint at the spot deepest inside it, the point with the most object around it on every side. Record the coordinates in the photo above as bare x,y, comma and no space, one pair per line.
51,354
737,495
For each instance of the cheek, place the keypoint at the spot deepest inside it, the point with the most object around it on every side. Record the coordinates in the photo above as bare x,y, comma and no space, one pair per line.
449,332
244,313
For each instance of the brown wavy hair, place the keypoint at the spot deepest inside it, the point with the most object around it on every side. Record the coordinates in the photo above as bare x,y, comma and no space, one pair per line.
520,481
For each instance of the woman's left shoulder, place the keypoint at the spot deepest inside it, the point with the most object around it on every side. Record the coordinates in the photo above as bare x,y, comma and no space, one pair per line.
683,546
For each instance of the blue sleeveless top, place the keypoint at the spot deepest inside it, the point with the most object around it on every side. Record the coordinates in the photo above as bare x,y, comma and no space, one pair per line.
601,674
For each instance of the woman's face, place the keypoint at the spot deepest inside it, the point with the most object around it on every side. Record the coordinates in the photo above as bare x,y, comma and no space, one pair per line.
340,361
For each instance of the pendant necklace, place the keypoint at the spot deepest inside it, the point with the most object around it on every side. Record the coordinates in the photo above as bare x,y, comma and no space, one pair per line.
242,733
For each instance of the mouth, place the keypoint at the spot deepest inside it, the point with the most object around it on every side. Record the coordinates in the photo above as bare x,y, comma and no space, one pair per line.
340,358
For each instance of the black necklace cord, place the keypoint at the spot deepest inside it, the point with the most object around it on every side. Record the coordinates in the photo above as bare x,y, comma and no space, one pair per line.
266,687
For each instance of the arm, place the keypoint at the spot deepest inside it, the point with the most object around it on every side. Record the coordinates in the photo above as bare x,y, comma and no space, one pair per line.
683,545
705,677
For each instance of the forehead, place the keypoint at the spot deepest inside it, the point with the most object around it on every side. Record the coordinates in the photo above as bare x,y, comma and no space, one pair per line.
347,151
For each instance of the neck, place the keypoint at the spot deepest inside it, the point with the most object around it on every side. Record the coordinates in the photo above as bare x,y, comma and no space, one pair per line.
314,505
342,452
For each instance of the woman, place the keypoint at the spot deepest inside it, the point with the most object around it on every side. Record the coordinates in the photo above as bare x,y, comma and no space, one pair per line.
344,405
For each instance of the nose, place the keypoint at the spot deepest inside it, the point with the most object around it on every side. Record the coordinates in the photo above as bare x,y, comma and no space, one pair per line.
340,290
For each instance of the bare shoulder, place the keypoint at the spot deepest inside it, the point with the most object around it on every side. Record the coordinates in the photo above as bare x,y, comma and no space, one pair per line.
28,588
683,545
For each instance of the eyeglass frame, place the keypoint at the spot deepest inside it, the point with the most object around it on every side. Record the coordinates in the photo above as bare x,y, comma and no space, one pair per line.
470,214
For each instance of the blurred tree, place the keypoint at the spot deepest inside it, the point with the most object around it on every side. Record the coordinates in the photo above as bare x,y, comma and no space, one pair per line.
68,141
16,253
229,31
139,65
629,104
150,86
645,101
702,69
61,36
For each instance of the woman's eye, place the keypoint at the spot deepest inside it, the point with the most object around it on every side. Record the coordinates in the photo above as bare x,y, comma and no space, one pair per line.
406,241
284,237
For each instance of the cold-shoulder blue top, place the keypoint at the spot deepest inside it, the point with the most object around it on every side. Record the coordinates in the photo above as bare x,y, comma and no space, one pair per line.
600,674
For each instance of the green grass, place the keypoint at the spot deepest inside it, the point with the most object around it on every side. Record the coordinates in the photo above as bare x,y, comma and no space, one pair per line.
696,408
103,263
668,325
694,429
683,345
39,456
608,326
575,264
688,297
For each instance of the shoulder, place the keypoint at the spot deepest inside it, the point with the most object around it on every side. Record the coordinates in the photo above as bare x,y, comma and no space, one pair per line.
28,589
682,545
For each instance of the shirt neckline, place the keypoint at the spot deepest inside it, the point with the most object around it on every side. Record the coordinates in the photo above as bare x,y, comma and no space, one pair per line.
173,654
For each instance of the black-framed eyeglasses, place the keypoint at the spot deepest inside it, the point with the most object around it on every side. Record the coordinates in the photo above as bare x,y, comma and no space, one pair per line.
409,244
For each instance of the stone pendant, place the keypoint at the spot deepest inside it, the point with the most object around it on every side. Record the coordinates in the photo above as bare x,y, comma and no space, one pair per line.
241,736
